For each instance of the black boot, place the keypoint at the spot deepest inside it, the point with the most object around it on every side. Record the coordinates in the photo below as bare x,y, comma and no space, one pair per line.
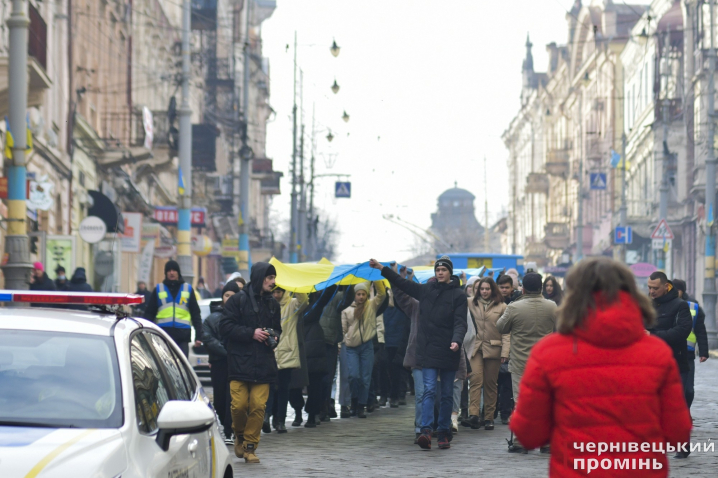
297,419
266,427
345,412
474,422
331,409
311,421
360,411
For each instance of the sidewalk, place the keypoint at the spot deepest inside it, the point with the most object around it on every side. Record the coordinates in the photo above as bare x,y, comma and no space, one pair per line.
382,445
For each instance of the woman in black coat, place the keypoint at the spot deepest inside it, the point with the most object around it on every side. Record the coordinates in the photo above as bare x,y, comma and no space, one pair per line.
316,353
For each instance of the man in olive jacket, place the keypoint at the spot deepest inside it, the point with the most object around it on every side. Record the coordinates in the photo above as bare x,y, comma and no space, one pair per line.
528,319
252,365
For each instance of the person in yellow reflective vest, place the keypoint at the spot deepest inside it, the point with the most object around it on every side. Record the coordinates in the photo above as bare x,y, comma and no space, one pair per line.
697,339
173,306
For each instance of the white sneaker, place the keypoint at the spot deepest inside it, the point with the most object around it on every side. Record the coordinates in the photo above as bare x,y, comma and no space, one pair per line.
455,423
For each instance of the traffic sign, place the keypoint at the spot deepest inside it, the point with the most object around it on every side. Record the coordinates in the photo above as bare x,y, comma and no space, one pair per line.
661,244
343,189
598,181
662,231
623,235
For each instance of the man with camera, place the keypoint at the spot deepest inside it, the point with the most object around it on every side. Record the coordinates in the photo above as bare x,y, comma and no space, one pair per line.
250,329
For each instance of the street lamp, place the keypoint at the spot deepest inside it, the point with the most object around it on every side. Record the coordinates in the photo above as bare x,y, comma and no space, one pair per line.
334,49
345,117
330,136
335,87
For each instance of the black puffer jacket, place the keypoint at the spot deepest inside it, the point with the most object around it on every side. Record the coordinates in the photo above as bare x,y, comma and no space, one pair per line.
210,334
313,334
673,325
250,360
331,320
442,319
78,283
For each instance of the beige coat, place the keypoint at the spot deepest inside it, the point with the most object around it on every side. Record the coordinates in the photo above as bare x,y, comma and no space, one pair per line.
287,352
360,332
528,319
492,343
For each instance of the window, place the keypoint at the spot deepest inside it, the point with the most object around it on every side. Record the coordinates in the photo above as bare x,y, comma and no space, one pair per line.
171,366
150,389
60,380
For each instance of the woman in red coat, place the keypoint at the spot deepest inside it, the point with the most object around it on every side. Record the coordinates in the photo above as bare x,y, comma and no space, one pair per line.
602,383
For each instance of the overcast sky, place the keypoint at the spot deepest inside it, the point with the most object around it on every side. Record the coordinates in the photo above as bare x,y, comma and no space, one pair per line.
429,86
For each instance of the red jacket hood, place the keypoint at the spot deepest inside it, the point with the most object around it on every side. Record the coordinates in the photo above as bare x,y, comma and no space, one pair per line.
614,325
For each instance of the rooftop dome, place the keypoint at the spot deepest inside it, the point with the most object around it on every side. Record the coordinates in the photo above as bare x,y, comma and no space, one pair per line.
456,193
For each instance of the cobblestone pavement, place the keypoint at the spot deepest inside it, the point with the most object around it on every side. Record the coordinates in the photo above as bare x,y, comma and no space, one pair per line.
382,445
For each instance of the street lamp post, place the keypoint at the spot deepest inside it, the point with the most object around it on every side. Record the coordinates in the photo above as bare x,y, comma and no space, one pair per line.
17,268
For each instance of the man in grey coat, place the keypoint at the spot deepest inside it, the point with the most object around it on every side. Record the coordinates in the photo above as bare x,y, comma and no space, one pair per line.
528,319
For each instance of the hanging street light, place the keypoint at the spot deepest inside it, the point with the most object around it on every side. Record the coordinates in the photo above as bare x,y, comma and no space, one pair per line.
335,87
330,136
334,49
345,117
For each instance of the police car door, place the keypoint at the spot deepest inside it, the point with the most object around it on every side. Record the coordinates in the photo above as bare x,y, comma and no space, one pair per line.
193,457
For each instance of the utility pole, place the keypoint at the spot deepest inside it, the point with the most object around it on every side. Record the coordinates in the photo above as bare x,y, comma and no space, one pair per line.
301,246
246,154
311,231
624,206
184,252
487,244
293,217
18,267
665,111
709,287
579,226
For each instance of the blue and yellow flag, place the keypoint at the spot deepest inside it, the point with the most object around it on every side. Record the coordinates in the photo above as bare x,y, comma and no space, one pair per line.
10,142
180,186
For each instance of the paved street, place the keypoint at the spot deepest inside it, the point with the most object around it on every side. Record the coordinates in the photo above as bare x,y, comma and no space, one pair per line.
382,445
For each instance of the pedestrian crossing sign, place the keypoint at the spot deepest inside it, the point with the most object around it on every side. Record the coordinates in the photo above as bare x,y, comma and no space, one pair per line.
598,181
343,189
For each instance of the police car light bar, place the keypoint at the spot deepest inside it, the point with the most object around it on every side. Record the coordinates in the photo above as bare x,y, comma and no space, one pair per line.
69,298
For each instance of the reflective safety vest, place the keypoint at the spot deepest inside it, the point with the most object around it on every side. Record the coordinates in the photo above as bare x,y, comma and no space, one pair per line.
691,340
173,312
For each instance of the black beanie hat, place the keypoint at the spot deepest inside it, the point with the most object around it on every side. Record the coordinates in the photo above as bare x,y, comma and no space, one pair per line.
532,282
230,286
446,262
172,266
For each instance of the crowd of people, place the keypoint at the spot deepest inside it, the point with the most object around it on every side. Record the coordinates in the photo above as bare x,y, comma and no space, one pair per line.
465,349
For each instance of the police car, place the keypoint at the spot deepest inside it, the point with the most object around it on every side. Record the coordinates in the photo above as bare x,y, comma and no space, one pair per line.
99,394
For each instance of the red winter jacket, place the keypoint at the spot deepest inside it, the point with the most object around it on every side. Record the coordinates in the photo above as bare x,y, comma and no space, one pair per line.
606,383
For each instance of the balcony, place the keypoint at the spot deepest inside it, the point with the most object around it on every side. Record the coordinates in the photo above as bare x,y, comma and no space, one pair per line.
557,162
263,169
536,252
537,183
124,136
557,235
37,37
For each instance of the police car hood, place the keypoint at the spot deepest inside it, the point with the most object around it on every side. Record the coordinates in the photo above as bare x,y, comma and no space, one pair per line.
61,452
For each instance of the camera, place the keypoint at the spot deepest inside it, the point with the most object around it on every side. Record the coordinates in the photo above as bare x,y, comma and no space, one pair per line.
273,339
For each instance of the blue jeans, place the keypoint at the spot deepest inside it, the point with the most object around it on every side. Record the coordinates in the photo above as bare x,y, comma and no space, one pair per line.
360,363
418,397
431,377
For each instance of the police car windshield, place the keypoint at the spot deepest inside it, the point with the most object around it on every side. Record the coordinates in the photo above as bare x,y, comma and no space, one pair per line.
59,380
